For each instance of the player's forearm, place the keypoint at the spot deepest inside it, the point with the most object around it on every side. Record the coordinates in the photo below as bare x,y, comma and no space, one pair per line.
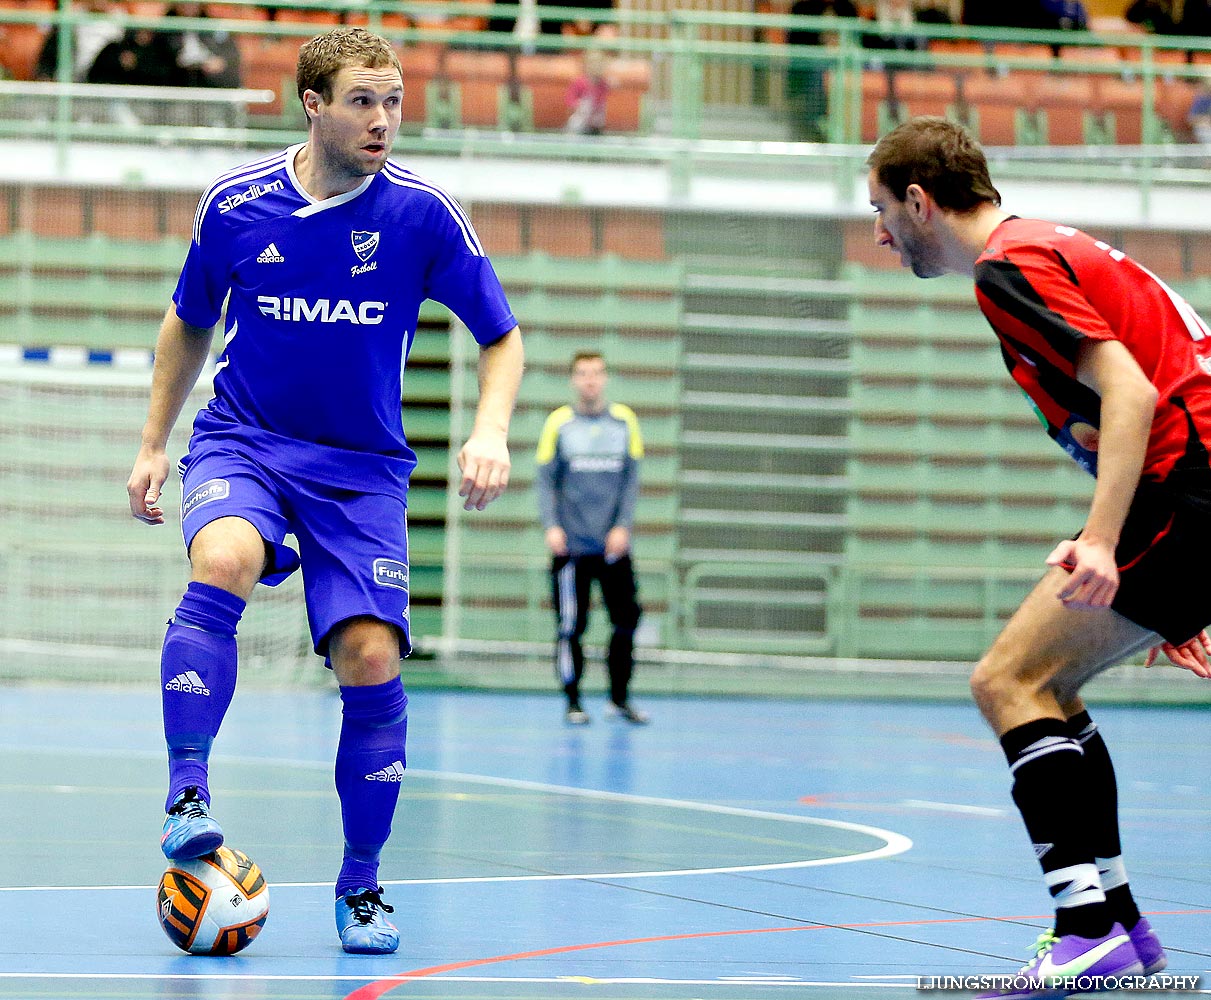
500,369
1122,443
1127,411
181,351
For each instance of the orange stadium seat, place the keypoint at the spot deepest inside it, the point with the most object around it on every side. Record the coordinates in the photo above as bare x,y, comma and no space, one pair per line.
1173,100
918,92
147,8
874,93
179,209
1124,99
420,64
269,64
1018,50
1165,58
499,229
237,12
311,15
925,93
995,101
479,76
1090,54
450,22
636,235
20,45
124,216
1064,100
55,212
547,76
561,232
958,46
624,102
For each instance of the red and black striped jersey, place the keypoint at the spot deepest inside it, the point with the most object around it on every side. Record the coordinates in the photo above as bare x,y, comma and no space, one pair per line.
1043,287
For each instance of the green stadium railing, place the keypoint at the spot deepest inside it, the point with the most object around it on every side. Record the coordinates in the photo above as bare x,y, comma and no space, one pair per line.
705,87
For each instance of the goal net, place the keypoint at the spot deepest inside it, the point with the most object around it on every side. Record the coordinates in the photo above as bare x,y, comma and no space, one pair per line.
85,589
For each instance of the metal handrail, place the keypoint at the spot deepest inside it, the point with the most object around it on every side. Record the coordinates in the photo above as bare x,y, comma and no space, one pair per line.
117,91
682,50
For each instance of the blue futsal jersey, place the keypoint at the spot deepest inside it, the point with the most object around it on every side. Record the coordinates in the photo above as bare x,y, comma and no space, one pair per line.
322,305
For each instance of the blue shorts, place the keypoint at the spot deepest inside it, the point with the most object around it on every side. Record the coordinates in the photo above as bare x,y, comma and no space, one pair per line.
353,547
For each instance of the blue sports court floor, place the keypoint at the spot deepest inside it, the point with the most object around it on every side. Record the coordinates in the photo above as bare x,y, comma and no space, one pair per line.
733,849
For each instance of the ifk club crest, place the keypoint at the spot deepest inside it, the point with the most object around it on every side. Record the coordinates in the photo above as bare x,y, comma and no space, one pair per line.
364,244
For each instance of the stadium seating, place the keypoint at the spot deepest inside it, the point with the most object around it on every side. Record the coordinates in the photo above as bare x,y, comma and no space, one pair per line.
547,77
479,76
20,45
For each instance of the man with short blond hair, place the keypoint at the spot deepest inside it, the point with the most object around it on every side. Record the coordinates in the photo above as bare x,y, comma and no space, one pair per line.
324,253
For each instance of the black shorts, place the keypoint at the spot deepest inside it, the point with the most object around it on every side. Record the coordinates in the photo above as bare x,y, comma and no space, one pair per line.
1161,553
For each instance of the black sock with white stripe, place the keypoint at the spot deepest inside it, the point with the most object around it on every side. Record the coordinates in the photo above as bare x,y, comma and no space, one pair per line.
1051,789
1103,815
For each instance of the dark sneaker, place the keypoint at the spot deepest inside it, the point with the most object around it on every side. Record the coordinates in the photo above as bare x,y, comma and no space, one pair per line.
189,830
361,923
629,714
1061,963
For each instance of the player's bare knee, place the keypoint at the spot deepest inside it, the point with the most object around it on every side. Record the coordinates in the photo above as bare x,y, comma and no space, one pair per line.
228,567
365,651
994,683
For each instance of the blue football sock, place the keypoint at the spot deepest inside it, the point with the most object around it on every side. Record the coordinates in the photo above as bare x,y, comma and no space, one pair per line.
370,763
197,680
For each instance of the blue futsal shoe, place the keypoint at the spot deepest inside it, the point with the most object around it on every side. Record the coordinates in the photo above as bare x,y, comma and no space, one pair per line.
361,924
189,830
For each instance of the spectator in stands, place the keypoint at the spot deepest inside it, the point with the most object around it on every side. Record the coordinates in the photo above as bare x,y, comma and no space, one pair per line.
806,96
1049,15
934,12
140,57
1172,17
87,40
895,20
1198,118
204,58
586,97
577,26
587,484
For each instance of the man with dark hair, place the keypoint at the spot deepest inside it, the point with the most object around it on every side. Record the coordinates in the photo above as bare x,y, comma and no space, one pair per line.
323,254
588,482
1117,367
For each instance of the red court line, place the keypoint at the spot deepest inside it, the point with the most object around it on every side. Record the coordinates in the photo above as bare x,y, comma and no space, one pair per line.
372,991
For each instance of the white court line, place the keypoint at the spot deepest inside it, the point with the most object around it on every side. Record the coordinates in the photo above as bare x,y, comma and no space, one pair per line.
894,843
549,980
954,807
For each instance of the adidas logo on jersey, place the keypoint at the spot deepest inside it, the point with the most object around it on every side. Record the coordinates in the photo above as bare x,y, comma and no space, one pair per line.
392,772
188,683
271,255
